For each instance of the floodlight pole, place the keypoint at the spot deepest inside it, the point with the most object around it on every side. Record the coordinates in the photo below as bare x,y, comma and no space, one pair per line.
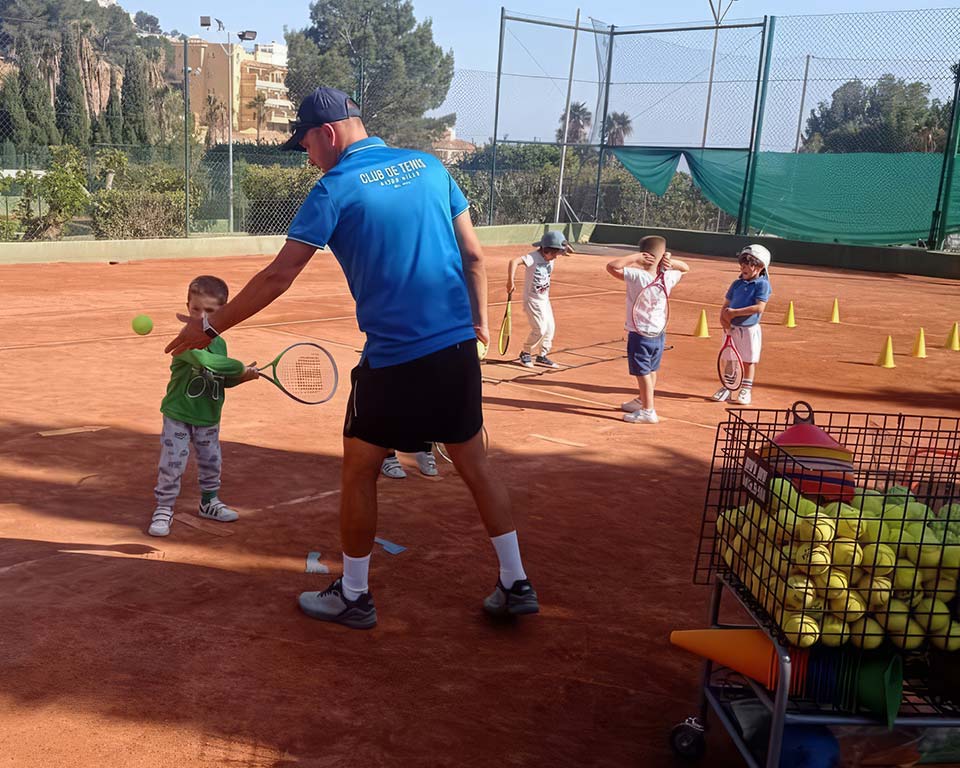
496,117
603,124
186,136
803,102
759,105
566,119
718,18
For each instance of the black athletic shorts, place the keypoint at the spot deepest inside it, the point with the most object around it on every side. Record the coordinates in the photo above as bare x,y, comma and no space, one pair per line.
435,398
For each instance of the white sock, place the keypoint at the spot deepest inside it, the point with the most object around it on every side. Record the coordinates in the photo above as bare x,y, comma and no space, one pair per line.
508,553
355,571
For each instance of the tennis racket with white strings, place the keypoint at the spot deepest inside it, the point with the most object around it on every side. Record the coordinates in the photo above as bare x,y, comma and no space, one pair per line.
730,365
652,302
506,327
445,455
305,372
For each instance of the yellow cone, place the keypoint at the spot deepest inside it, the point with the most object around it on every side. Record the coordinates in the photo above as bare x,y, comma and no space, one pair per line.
920,345
702,331
790,321
886,356
953,340
835,315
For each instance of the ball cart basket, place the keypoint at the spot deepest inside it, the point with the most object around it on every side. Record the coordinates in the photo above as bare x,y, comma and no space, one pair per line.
835,538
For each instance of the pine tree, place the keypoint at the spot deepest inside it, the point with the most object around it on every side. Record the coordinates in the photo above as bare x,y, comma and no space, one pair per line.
72,118
134,101
114,113
14,126
36,98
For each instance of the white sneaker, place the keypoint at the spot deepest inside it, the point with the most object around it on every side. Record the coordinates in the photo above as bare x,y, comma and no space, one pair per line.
643,416
744,397
217,510
426,463
392,469
632,406
722,395
160,524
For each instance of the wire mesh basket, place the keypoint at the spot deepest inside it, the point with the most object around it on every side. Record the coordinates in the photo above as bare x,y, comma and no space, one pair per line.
841,527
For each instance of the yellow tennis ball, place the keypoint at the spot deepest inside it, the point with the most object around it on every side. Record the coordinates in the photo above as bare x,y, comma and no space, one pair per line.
905,575
866,633
910,638
895,616
846,552
142,325
879,559
850,606
833,584
801,630
872,531
834,631
876,589
800,592
783,494
942,589
948,638
813,558
932,615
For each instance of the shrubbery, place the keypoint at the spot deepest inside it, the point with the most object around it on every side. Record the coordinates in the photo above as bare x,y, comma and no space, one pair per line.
273,196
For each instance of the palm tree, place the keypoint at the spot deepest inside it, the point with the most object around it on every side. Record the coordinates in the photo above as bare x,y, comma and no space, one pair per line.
215,116
580,120
618,128
258,105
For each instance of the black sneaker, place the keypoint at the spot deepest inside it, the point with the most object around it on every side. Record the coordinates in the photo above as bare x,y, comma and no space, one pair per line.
516,601
546,362
331,605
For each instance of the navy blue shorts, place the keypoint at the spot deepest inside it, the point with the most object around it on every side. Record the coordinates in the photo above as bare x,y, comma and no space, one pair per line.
644,353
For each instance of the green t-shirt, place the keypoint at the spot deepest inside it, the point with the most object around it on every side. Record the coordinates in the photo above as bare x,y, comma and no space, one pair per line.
198,378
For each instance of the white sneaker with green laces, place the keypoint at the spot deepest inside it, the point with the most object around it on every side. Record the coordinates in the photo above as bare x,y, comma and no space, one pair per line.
217,510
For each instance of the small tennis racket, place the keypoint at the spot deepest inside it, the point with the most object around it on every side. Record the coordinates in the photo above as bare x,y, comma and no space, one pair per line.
442,449
305,372
652,301
730,365
506,327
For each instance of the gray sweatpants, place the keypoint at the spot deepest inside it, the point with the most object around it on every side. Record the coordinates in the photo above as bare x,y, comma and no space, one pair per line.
174,453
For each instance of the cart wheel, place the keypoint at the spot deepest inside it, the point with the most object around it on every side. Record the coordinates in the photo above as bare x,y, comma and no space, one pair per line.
688,740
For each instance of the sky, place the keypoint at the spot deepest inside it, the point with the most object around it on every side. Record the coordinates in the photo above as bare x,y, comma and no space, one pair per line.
471,27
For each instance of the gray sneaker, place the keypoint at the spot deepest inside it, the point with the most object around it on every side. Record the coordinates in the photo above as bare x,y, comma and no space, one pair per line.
217,510
526,360
516,601
331,605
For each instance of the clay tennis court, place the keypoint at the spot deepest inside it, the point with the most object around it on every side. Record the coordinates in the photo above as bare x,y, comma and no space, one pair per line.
122,649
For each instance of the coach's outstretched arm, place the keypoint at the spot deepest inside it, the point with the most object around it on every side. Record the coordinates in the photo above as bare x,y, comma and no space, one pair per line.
475,273
263,288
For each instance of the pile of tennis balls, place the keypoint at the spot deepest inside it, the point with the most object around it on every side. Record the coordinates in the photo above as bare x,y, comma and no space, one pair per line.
884,566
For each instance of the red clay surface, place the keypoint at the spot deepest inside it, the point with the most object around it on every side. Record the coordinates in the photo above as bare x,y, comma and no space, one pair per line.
119,649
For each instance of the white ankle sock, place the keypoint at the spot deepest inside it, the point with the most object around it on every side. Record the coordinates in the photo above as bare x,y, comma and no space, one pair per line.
508,553
355,570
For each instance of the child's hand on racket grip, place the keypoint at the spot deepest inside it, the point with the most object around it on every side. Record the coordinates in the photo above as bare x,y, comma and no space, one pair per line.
251,373
510,286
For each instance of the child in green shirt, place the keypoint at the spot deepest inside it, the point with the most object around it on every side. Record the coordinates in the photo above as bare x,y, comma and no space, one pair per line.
191,413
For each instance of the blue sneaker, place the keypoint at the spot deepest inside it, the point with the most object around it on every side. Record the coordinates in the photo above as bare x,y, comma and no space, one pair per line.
331,605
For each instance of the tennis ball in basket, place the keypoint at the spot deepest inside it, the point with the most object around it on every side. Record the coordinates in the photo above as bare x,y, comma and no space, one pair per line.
813,558
801,592
850,606
929,549
833,584
880,559
866,633
783,495
801,630
948,638
905,576
943,589
819,530
895,616
846,552
142,325
835,631
932,615
877,590
910,638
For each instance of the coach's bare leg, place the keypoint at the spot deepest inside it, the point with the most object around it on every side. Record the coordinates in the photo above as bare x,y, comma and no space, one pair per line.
489,493
358,495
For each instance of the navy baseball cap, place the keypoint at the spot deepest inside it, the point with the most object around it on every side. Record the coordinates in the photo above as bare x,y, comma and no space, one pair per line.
324,105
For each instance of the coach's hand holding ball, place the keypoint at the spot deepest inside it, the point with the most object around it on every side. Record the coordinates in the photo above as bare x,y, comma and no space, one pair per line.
142,325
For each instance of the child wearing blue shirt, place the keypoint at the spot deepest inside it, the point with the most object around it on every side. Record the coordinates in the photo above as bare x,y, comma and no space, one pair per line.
746,299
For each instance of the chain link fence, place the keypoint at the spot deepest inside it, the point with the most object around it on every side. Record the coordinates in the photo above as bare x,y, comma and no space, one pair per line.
99,141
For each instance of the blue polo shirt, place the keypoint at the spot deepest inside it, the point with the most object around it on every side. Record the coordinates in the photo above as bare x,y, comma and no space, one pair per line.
387,214
745,293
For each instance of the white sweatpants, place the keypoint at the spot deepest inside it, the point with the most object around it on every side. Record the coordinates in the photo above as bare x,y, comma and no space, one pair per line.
542,327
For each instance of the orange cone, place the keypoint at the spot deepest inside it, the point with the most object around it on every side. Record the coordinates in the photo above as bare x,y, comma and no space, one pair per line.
747,651
702,330
790,320
886,354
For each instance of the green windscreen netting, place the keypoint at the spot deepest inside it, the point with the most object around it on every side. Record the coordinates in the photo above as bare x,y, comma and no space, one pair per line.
864,198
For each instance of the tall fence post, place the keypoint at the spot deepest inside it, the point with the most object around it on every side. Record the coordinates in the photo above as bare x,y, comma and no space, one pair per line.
803,103
603,124
566,120
763,79
186,137
496,116
938,223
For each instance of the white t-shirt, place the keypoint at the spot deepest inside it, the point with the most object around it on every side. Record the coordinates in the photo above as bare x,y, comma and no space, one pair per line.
647,306
537,284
